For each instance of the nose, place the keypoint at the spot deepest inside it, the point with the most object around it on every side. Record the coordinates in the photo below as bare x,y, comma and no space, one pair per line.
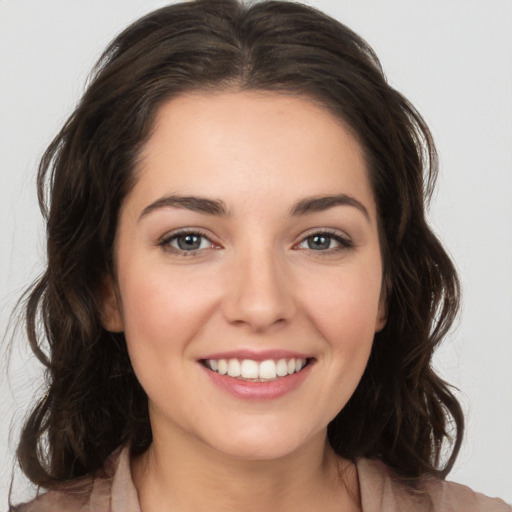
259,292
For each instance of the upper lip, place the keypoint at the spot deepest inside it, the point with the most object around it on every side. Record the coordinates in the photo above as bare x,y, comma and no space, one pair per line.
257,355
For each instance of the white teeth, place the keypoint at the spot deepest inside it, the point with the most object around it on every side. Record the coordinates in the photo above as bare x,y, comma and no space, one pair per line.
268,369
234,368
223,366
250,369
282,368
299,364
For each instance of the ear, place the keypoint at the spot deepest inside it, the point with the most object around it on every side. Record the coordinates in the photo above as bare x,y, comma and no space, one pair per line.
382,313
110,306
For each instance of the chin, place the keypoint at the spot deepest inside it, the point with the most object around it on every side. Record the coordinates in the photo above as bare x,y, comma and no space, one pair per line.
261,442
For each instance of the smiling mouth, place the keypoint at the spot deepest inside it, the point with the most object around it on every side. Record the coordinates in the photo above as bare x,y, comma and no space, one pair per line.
256,371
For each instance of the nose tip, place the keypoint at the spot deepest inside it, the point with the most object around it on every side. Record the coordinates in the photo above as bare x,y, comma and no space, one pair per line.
259,294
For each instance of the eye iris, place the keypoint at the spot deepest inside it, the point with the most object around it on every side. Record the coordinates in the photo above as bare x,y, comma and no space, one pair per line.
189,242
319,242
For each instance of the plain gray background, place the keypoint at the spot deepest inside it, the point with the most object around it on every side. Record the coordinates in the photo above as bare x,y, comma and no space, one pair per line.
451,58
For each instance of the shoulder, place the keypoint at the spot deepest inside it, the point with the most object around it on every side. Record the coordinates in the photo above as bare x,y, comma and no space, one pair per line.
384,491
70,497
91,494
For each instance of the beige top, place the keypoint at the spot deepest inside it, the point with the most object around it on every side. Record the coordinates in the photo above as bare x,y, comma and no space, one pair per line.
381,491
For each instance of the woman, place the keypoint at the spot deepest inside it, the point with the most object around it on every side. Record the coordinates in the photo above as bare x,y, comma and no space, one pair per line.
242,295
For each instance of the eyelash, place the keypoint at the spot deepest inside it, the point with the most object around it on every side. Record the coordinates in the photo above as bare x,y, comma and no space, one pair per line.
166,241
344,242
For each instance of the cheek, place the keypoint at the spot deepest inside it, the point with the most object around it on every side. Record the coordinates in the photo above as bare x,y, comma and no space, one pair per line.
347,323
345,305
344,308
162,315
162,310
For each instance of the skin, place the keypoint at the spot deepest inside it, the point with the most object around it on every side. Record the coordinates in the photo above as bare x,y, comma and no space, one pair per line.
255,283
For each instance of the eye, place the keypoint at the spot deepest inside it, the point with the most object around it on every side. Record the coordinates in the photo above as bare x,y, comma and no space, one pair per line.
325,241
186,242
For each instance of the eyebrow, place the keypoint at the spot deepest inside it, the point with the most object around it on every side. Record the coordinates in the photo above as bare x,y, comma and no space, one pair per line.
218,208
194,203
316,204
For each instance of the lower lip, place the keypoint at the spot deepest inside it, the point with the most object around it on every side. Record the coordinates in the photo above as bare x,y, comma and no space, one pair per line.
258,390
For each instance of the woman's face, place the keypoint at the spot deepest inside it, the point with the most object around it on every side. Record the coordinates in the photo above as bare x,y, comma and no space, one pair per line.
248,244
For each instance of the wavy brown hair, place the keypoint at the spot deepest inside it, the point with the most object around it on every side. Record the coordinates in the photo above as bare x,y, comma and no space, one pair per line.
401,412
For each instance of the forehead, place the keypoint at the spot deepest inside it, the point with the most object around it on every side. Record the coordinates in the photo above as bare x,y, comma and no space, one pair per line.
251,114
250,144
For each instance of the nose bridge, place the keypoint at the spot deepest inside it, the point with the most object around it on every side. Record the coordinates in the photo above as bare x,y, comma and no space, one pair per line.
259,290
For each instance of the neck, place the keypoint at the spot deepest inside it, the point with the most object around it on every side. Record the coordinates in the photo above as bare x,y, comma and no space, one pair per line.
181,476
